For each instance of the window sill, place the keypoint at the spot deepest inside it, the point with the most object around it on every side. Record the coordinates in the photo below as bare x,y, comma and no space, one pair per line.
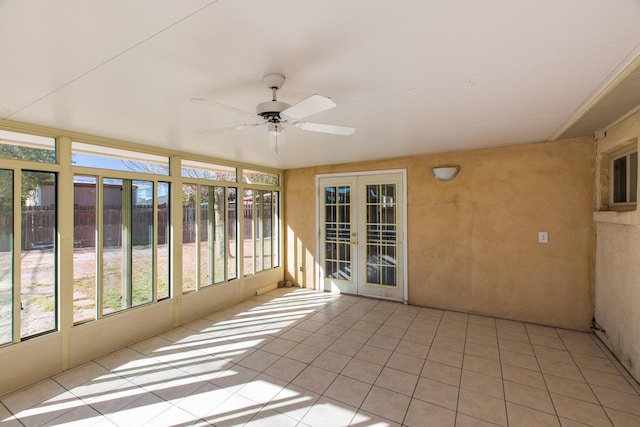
617,217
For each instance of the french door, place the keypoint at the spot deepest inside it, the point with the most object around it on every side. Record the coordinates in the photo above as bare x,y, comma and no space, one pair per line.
361,234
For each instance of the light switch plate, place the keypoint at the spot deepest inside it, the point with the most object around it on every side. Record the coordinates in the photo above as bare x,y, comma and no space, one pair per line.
543,237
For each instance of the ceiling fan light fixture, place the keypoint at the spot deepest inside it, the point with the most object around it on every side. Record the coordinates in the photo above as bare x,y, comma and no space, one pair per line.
276,134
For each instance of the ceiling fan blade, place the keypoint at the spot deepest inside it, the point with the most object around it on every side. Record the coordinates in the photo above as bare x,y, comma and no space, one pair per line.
319,127
228,108
230,128
312,105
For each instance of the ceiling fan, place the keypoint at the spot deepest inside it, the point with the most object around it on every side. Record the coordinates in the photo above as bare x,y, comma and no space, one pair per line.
276,114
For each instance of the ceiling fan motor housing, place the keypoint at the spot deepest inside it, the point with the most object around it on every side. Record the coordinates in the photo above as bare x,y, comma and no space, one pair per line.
270,110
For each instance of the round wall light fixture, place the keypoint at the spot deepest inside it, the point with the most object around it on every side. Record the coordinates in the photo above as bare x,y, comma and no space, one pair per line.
445,173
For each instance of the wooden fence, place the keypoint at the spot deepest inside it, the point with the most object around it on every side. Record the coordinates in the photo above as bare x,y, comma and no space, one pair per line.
38,225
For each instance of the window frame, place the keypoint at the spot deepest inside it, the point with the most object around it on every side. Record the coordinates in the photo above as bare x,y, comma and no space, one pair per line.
626,154
210,226
18,167
65,171
102,174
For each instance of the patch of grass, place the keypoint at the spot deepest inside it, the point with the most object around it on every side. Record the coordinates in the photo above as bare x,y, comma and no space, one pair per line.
86,285
112,300
46,303
163,288
40,285
140,294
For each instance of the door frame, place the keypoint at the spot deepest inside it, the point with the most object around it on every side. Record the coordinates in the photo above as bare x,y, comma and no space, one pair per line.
319,282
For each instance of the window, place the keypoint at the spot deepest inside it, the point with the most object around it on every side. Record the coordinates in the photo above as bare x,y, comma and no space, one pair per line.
232,229
623,171
163,225
127,258
119,219
96,156
84,248
249,226
35,286
266,232
193,169
121,231
38,260
189,237
28,236
260,177
6,256
261,230
209,245
20,146
205,255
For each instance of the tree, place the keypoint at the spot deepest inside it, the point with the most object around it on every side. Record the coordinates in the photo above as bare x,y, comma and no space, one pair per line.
31,181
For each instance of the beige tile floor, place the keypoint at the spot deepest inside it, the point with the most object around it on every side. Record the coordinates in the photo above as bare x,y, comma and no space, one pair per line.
303,358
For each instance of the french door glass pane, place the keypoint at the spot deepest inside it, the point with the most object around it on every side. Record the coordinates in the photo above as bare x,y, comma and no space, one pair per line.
381,235
6,256
189,230
38,292
337,227
84,248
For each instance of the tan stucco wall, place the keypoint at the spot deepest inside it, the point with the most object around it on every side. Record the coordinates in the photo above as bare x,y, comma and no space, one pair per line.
617,266
473,242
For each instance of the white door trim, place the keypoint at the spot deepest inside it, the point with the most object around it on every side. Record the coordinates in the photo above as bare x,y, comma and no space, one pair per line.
319,283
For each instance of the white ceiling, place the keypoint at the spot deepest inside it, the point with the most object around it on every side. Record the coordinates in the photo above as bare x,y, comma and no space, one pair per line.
413,76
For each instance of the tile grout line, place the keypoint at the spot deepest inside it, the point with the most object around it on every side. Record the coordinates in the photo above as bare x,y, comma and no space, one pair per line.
504,389
373,384
426,358
163,357
544,379
635,385
421,368
310,363
464,347
585,380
